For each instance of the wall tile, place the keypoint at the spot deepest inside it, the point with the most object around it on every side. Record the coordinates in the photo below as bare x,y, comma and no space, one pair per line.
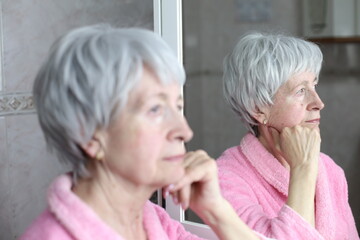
4,180
32,168
16,103
30,27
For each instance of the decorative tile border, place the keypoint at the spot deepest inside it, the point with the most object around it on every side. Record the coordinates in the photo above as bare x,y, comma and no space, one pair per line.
16,103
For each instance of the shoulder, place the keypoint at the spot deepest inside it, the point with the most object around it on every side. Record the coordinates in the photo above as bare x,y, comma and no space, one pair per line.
237,177
334,175
233,164
230,158
46,227
331,167
235,157
229,153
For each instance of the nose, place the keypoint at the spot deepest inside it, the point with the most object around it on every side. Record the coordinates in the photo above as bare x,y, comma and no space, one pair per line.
316,103
181,130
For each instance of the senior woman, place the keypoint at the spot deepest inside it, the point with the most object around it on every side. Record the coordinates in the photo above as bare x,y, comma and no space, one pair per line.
109,104
276,179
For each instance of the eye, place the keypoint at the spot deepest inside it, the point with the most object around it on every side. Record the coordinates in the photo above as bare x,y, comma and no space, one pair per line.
180,107
315,84
301,91
155,109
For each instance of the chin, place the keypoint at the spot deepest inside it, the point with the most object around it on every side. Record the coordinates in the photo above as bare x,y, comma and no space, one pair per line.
315,127
173,177
310,125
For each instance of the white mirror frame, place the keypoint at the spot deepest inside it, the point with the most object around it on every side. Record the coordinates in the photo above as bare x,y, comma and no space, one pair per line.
168,23
1,50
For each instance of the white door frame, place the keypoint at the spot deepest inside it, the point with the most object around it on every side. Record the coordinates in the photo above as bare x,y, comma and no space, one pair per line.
168,23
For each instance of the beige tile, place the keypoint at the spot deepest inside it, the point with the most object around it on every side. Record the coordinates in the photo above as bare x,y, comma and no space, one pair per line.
31,169
27,36
5,200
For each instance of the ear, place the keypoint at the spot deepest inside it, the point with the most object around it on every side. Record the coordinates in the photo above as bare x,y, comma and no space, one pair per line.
93,147
261,114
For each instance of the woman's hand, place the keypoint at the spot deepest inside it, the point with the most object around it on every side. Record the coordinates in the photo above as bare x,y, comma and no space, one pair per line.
294,147
298,149
199,187
300,146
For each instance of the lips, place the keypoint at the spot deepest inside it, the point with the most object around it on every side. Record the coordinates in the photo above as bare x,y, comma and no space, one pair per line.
317,120
175,158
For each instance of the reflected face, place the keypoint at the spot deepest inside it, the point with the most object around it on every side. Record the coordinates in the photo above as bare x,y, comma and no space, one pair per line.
296,103
144,145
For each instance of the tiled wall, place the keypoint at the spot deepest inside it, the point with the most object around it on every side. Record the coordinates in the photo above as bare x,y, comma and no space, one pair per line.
28,29
211,29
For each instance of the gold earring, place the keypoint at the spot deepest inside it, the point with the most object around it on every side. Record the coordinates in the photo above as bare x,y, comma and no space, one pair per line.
265,121
99,155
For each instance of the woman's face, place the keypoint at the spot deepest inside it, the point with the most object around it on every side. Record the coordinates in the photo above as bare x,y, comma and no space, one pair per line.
145,144
296,103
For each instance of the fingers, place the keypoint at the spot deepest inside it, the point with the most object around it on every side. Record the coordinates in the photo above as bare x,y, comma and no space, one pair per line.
300,145
199,180
184,196
198,167
300,134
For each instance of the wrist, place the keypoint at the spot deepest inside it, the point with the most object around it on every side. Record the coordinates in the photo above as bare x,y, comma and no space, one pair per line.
224,221
214,215
304,169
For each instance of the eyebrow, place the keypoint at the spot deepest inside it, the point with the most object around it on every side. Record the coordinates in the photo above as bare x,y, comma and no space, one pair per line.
316,80
142,100
165,96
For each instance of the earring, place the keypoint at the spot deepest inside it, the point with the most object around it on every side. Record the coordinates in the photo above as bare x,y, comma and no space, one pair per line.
99,155
265,121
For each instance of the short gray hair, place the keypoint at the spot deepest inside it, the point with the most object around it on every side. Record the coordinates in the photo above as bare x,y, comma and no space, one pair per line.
85,81
259,64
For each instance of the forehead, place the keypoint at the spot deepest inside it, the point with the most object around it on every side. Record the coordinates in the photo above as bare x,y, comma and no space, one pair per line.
150,86
300,78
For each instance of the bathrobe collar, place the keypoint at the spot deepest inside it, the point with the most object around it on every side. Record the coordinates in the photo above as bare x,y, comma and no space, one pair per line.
265,163
83,223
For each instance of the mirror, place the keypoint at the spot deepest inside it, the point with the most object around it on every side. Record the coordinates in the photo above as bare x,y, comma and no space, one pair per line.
210,30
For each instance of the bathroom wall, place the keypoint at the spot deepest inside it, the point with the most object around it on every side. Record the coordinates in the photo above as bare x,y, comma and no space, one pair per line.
28,29
211,28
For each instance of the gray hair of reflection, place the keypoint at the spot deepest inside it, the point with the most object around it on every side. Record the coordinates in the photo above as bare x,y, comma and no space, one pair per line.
86,79
259,64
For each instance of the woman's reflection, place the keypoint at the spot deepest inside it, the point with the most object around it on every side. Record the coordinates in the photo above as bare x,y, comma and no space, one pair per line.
277,179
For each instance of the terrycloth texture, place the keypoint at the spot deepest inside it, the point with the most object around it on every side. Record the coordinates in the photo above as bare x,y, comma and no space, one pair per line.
256,184
68,218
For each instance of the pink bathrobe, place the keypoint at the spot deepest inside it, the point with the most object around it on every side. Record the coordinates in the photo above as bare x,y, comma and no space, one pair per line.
256,185
68,218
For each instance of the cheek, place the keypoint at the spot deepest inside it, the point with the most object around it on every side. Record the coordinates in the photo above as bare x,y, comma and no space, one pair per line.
287,116
146,143
291,120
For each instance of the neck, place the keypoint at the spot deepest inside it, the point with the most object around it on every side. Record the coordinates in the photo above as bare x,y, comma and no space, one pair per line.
118,202
272,145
